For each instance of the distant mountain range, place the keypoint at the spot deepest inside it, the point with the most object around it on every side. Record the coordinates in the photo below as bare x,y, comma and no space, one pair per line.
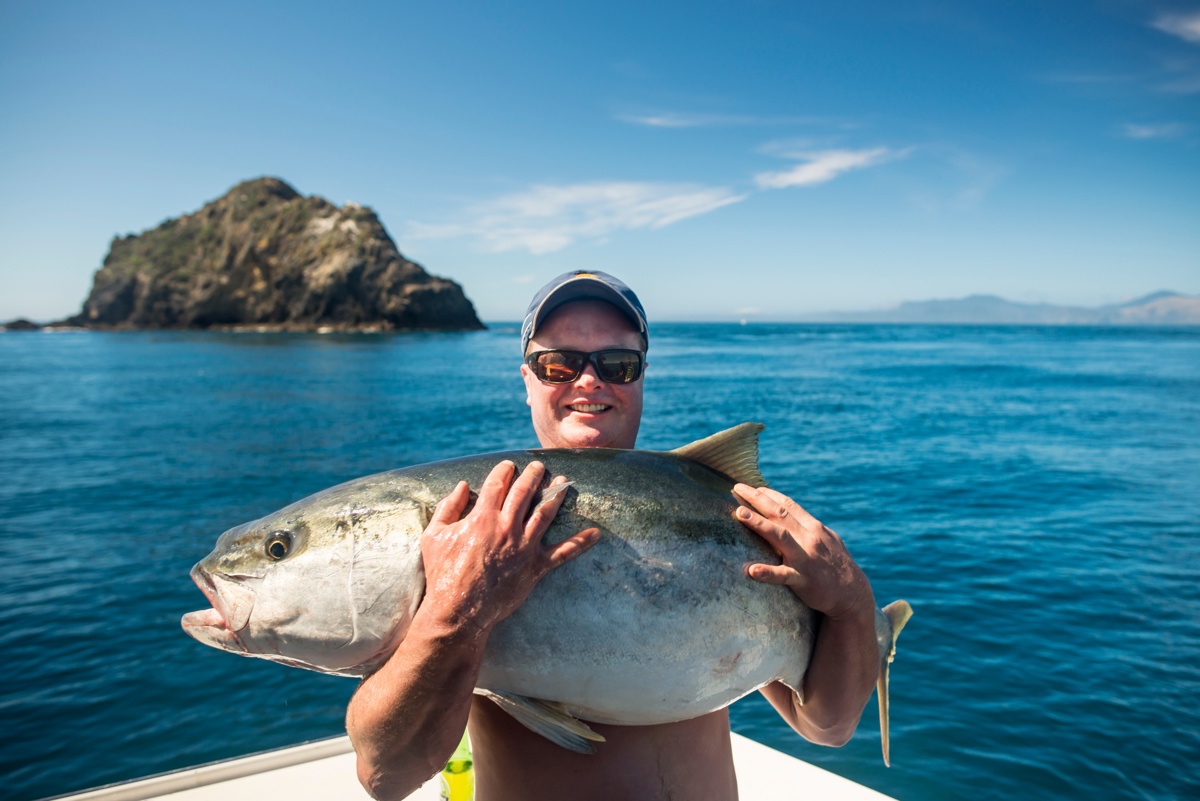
1159,308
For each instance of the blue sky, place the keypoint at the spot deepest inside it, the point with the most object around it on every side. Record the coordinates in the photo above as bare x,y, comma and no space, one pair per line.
756,160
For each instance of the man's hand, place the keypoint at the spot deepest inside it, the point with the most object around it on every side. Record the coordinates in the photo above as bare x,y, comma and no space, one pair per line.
406,719
480,568
818,569
816,565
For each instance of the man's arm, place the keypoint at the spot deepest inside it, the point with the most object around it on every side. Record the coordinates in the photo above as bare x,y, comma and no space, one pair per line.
819,570
406,719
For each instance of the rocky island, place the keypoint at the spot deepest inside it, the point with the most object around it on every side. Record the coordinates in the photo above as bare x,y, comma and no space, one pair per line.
265,257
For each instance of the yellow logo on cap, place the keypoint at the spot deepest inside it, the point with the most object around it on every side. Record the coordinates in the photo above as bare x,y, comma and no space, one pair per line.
585,275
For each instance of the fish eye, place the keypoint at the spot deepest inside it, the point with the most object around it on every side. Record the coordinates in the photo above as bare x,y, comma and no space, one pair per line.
278,545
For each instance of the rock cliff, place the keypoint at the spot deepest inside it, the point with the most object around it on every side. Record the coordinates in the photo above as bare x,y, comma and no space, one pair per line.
264,256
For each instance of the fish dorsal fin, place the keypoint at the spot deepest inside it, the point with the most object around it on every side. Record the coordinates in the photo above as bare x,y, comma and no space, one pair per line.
733,452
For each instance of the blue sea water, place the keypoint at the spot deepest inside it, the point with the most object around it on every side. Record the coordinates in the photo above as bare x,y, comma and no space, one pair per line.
1033,492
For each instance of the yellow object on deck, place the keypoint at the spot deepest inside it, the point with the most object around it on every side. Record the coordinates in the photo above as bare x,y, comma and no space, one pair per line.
458,777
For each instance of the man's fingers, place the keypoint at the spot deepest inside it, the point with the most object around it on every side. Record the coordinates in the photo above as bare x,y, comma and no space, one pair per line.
568,549
776,535
516,504
775,574
772,503
758,499
495,486
449,509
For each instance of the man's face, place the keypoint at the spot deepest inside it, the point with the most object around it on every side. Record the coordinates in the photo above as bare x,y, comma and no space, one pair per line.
586,413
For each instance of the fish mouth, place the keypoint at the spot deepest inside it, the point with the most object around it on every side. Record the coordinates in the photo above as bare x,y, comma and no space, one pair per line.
207,626
219,625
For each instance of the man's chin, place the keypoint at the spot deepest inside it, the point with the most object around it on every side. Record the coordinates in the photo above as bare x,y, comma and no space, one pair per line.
589,433
609,429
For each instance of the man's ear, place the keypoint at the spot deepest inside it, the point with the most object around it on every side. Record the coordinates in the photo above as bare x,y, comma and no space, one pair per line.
525,375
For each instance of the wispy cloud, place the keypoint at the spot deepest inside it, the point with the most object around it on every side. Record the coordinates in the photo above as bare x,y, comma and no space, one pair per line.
671,119
955,180
544,219
1183,86
667,120
1166,130
822,166
1186,26
1089,79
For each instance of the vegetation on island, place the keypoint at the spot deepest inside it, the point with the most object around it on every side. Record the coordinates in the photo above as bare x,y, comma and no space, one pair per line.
265,256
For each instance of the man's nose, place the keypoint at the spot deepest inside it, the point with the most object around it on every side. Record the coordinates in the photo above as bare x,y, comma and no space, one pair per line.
588,377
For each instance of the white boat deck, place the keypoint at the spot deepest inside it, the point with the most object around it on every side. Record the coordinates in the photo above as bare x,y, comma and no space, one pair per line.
324,770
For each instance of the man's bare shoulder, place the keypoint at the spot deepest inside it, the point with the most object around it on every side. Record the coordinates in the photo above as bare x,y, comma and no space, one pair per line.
691,759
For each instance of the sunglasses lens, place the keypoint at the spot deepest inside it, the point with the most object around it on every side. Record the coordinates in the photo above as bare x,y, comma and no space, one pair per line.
618,367
565,366
558,367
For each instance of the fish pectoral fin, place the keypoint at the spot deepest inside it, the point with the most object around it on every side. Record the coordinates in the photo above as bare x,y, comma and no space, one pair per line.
897,614
548,719
552,492
733,452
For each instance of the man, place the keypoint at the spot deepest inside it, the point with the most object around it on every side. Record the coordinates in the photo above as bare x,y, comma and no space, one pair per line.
407,718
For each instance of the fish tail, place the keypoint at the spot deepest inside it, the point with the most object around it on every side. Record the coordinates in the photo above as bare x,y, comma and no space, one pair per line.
897,613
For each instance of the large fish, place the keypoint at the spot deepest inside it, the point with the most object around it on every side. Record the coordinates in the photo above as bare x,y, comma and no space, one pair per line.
656,623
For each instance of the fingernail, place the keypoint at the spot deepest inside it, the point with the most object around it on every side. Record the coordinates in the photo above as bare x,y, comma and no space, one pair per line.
743,513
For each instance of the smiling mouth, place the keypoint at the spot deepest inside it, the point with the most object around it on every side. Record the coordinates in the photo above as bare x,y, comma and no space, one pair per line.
588,408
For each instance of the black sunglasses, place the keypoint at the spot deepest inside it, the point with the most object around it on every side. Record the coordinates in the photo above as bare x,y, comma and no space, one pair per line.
615,366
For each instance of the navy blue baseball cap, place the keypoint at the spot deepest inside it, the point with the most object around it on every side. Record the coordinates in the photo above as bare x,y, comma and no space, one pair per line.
582,285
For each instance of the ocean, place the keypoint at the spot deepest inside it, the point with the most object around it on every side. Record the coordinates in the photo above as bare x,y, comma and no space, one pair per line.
1034,492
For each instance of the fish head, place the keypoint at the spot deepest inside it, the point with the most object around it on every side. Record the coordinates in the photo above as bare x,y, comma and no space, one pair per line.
329,584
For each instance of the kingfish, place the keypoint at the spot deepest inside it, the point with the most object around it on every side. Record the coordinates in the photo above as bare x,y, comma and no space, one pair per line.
657,622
